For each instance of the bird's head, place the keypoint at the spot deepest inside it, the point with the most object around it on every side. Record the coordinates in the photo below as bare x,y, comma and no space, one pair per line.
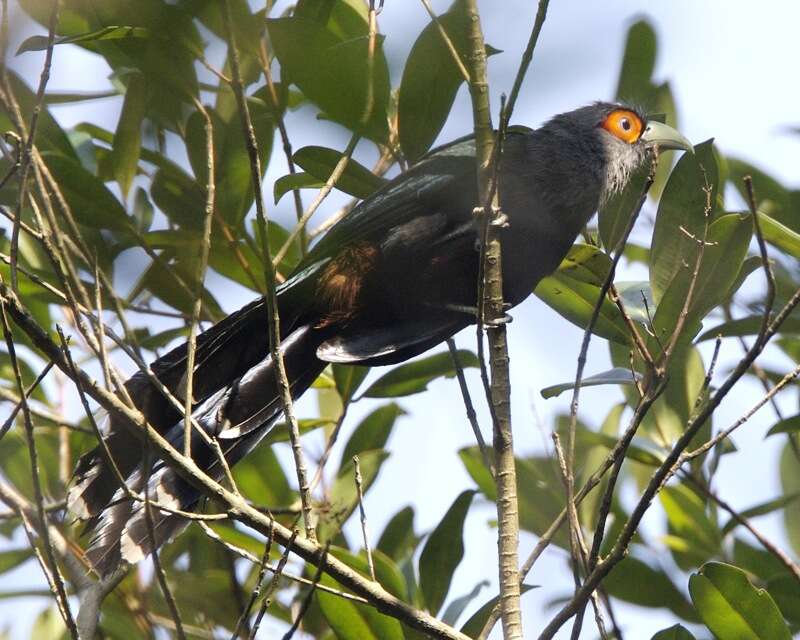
612,140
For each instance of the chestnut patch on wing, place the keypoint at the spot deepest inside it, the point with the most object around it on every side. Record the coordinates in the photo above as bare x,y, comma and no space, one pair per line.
341,280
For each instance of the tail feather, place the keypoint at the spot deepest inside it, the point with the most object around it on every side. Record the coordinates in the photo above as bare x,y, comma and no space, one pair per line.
239,414
224,352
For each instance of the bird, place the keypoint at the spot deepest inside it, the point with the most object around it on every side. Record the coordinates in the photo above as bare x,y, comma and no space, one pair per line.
393,278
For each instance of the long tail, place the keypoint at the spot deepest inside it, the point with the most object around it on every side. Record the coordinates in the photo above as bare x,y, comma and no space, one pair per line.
238,414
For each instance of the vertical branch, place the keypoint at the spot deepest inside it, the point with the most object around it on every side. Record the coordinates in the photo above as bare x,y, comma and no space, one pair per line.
60,590
205,245
492,314
27,149
473,419
363,513
270,277
569,476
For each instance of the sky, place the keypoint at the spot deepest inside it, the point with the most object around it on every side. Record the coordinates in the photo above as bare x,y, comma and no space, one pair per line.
730,65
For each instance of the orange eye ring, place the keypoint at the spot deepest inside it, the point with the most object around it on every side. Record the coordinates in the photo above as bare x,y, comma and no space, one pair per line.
623,124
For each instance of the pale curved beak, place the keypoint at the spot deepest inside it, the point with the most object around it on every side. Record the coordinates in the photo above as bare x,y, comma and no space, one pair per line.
665,137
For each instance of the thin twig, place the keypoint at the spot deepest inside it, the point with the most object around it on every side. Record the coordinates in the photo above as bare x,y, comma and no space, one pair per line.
60,591
363,513
307,599
243,623
669,466
766,264
569,479
337,172
200,275
776,551
27,149
29,391
269,274
238,508
447,41
273,585
471,416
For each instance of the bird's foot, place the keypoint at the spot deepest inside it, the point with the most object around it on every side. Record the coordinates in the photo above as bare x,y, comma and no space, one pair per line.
499,219
494,323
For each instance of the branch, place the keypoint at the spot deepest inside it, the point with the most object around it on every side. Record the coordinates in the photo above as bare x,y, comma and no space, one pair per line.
238,508
492,313
270,277
27,149
59,589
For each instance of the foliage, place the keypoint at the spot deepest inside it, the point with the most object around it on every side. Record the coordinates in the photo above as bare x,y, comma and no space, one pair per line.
121,193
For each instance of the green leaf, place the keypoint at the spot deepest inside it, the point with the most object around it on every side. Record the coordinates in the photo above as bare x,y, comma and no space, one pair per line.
124,157
398,539
675,632
575,301
92,204
639,450
342,615
292,181
49,134
356,180
280,431
617,375
638,300
39,43
732,608
681,212
351,621
473,626
260,477
786,593
790,483
443,552
12,558
638,62
457,606
780,235
64,97
728,240
788,425
348,378
627,579
233,182
757,561
783,202
761,509
49,624
431,80
689,523
614,215
142,211
414,377
332,72
179,196
748,326
372,432
586,263
343,494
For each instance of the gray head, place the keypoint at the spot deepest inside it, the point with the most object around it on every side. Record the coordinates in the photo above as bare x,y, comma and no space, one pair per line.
607,142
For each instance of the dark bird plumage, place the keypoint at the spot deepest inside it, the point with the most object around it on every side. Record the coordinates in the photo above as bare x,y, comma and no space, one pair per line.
394,277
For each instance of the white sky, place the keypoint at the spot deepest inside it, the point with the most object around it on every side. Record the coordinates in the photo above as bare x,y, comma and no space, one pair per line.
732,66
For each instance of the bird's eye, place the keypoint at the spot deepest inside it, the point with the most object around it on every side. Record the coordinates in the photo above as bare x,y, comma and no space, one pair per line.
623,124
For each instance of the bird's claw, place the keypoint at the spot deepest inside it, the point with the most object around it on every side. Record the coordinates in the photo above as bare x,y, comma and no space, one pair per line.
499,219
498,322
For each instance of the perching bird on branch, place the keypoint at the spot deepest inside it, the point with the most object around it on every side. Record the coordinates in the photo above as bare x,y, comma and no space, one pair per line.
395,277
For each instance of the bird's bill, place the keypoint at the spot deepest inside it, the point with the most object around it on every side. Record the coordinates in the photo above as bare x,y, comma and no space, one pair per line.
657,133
